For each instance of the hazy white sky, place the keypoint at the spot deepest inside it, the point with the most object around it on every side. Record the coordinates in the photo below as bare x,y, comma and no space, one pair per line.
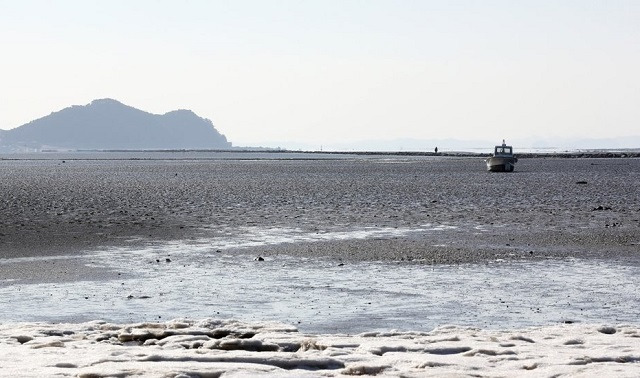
269,72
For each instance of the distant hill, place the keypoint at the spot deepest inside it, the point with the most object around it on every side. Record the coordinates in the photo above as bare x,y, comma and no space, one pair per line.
108,124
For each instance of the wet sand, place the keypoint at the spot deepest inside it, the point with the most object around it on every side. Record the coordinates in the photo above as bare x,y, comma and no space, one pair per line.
57,217
549,207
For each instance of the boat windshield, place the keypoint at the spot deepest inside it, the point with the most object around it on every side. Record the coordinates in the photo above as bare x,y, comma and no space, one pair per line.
503,150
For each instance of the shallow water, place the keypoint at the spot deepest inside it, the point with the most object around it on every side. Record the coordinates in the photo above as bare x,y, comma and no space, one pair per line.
201,279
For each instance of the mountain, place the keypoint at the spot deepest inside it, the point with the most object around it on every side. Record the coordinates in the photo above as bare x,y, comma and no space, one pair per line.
108,124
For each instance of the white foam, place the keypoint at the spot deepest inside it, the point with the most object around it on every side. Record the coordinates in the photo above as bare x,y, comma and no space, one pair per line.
211,347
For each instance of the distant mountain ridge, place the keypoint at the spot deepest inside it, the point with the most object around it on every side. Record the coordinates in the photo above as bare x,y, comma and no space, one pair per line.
109,124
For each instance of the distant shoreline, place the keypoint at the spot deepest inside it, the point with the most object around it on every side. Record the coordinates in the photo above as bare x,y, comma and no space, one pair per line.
573,155
576,154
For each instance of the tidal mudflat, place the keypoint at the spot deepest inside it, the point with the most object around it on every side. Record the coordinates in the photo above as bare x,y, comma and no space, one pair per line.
337,245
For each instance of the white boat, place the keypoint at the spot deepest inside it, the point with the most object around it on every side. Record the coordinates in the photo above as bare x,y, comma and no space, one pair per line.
503,159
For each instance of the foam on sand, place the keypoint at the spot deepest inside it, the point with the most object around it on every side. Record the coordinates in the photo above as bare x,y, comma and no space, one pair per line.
211,348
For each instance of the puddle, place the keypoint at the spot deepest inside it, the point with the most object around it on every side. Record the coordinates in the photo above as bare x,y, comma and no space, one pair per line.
255,237
251,237
207,280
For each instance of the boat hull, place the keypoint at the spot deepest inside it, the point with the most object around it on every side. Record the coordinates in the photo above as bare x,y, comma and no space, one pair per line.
501,164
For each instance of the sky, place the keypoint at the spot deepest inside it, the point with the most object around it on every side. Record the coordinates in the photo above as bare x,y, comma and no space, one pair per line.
287,73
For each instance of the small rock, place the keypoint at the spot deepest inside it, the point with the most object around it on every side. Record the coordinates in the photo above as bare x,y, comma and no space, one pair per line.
66,365
607,330
259,258
23,338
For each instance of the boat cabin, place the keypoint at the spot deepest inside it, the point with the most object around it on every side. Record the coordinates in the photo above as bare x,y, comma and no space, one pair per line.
503,150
